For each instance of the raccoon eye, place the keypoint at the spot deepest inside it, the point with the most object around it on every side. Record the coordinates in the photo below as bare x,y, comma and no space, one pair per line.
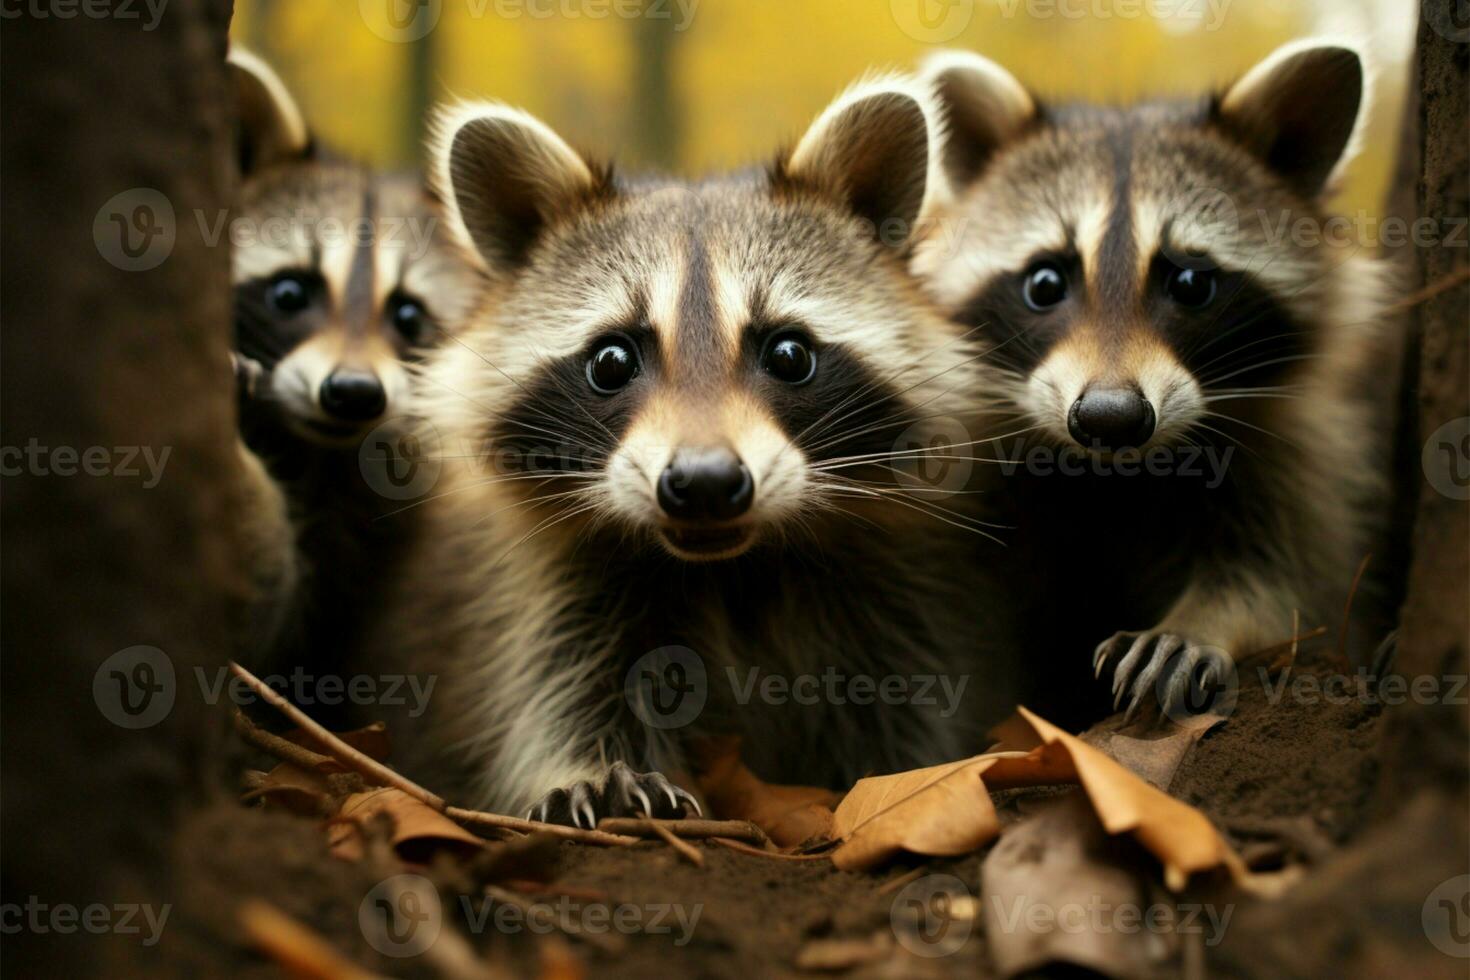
407,316
288,294
612,367
790,358
1194,288
1045,287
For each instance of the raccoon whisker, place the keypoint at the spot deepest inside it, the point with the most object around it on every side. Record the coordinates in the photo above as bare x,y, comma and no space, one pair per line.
572,397
1257,428
899,495
1225,435
545,525
891,421
504,478
523,388
562,495
1256,367
876,382
1232,352
900,393
1207,340
1244,396
913,505
923,453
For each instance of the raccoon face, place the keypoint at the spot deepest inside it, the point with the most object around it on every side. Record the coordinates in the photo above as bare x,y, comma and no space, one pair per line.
1130,264
334,269
708,366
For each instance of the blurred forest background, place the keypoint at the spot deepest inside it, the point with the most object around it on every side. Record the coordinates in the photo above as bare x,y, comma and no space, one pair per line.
696,86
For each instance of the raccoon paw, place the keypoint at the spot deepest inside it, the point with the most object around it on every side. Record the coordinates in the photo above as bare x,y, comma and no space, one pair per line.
623,793
1184,674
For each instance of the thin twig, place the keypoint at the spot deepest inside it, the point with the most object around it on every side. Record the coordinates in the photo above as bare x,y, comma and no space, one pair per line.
381,775
692,829
1347,613
351,758
685,849
1430,291
897,883
282,748
500,821
744,848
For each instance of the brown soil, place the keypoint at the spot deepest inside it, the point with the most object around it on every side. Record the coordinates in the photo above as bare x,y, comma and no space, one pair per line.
1289,783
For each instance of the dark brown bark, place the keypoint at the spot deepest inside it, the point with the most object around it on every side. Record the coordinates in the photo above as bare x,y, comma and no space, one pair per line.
95,355
1428,744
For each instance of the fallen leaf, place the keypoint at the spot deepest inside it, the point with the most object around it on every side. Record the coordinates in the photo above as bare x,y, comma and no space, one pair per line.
946,810
941,810
789,815
1051,869
418,829
292,788
299,952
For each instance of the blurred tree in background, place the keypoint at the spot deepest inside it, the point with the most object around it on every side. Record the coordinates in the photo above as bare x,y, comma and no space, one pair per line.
703,85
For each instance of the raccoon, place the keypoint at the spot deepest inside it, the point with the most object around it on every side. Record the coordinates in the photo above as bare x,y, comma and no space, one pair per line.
678,451
342,277
1154,316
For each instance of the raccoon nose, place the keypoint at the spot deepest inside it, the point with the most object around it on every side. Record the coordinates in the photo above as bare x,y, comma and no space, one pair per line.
353,396
1111,418
705,485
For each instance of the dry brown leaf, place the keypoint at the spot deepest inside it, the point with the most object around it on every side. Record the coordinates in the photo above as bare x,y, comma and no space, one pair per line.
1180,836
946,810
941,810
789,815
418,829
293,788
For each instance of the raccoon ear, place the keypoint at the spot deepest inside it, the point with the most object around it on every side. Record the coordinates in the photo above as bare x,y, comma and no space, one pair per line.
984,108
271,127
1299,110
504,176
873,150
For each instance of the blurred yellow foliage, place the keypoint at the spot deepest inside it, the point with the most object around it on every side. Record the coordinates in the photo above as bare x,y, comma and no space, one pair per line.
703,85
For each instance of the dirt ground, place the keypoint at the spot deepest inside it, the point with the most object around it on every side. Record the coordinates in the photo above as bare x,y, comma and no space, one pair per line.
1287,783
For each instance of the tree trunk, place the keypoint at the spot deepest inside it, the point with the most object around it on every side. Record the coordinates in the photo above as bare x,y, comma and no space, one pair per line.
118,435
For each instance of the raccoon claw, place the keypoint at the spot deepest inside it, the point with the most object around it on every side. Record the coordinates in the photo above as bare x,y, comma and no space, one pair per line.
1183,674
623,793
